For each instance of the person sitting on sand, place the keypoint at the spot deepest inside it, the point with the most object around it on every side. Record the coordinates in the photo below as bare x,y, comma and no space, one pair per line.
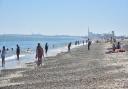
3,56
116,49
17,51
118,46
39,54
69,46
113,47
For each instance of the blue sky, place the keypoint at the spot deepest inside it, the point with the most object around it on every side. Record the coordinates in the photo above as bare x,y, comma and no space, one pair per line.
58,17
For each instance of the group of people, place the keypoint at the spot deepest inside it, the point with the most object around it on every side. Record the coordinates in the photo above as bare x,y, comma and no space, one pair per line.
78,42
3,54
117,47
39,51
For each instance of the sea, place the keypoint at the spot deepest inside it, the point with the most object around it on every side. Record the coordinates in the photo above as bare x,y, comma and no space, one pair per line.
28,44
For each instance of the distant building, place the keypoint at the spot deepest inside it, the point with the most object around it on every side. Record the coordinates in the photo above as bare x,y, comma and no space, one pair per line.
95,36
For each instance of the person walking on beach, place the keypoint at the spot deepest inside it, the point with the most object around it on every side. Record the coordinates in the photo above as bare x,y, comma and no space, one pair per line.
89,44
46,48
39,54
3,56
75,42
17,51
69,46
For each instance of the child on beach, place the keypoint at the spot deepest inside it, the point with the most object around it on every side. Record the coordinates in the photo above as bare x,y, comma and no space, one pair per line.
3,56
39,54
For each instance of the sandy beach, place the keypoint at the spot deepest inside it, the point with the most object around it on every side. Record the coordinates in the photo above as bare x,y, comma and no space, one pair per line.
79,69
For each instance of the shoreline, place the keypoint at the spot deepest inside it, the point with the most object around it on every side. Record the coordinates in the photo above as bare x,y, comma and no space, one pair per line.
78,69
51,53
16,72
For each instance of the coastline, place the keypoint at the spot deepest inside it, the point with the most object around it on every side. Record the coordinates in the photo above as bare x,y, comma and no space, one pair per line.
79,69
26,58
7,74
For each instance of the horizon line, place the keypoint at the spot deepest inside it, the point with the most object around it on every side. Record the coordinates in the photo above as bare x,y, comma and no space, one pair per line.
41,34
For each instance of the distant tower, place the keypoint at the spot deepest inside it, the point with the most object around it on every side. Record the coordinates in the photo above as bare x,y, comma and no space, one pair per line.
88,33
113,34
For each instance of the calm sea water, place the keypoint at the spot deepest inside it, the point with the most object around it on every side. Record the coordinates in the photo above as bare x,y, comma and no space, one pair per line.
25,42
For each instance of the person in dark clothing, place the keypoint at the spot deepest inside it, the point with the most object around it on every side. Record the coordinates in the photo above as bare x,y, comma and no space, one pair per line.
69,46
118,46
18,51
89,44
46,48
3,56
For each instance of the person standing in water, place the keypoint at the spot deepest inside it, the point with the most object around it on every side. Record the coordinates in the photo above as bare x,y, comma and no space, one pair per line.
69,46
3,56
46,48
39,54
18,52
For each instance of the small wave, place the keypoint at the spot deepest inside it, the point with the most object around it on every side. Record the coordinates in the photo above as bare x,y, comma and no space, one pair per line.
54,52
13,57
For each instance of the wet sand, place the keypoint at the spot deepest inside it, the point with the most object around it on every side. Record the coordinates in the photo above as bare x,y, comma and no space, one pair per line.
79,69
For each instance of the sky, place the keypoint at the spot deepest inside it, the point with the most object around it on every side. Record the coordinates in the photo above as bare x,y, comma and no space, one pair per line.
63,17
